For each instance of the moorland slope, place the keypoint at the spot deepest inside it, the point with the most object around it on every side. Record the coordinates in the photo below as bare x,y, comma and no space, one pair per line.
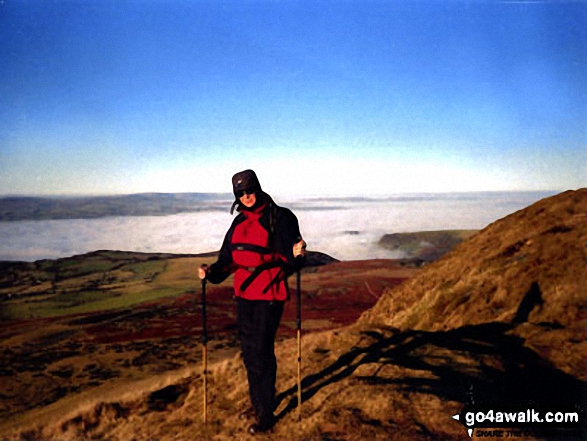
528,269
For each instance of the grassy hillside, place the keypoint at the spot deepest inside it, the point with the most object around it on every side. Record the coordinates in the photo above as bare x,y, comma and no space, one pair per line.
76,326
95,282
529,268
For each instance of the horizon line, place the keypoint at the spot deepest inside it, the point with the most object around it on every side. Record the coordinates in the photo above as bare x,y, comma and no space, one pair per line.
307,196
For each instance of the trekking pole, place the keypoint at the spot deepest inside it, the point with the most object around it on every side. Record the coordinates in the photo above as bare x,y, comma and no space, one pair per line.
205,352
299,337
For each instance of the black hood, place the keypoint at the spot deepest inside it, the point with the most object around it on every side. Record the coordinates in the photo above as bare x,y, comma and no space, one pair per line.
245,180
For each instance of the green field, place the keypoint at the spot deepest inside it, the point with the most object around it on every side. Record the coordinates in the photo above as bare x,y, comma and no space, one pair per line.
99,281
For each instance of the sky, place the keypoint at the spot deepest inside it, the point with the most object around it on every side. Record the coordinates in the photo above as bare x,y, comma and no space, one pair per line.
318,97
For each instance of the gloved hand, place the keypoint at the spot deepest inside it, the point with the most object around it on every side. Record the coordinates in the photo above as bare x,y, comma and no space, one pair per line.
299,249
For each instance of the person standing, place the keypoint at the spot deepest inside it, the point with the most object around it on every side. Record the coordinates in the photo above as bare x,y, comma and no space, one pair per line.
261,248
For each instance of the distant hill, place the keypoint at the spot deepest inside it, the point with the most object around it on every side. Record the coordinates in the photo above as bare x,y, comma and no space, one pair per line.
426,246
86,207
499,322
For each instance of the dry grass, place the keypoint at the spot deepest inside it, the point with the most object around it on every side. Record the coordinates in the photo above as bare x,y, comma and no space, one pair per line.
487,277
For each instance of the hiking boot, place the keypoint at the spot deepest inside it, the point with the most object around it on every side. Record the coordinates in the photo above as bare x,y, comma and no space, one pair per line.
263,424
247,414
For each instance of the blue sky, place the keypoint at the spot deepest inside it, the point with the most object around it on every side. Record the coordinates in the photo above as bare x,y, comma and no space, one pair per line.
319,97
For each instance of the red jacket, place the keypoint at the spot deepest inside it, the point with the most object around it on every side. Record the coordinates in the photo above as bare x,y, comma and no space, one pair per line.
258,249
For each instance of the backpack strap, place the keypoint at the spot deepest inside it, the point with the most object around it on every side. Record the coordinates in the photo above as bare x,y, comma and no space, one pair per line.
272,208
257,271
248,247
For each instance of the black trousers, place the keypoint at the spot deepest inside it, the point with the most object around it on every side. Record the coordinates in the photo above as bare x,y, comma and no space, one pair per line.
258,321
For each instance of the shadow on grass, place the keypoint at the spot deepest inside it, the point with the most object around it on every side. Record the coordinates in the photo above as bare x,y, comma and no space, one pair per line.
477,365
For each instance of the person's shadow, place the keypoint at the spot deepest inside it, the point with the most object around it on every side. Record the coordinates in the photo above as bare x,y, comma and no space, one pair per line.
477,364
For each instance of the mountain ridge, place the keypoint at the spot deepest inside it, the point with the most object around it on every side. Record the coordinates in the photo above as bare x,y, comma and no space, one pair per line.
16,208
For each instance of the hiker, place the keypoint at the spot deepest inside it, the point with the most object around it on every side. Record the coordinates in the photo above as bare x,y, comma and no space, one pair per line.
261,249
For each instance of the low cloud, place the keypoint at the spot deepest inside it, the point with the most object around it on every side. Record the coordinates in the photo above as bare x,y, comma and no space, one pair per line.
344,229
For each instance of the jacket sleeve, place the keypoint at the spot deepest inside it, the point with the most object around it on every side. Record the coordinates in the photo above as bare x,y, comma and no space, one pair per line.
223,267
287,234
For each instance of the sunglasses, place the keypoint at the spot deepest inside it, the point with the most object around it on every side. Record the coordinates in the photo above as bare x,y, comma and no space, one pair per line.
241,193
